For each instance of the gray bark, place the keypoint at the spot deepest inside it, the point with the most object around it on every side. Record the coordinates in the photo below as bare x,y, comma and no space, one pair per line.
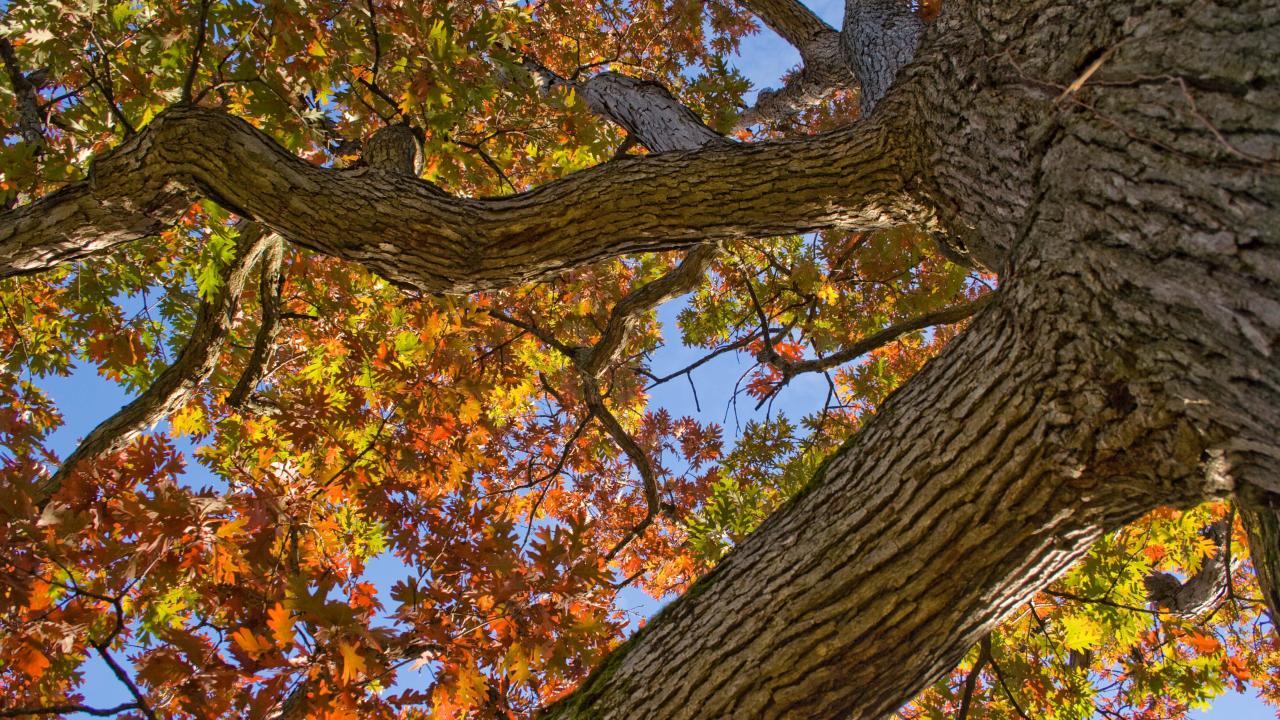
879,37
1128,362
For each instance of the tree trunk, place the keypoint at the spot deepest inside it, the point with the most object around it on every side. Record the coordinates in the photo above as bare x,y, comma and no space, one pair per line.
1124,172
1117,161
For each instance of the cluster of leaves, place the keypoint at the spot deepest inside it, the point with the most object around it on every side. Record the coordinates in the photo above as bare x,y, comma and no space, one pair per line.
418,514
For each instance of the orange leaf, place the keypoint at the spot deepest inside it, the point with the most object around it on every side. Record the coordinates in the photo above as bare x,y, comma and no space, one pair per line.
280,620
352,663
249,641
32,662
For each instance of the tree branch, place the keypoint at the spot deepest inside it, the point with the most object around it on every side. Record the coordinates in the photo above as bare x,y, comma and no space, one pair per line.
178,382
65,709
30,118
413,235
1200,592
792,20
270,287
188,82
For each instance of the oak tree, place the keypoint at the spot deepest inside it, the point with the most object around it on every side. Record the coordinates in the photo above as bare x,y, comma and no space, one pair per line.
388,271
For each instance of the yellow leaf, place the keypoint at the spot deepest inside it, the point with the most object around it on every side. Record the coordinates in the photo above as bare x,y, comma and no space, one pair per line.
352,663
469,411
1080,633
471,685
517,662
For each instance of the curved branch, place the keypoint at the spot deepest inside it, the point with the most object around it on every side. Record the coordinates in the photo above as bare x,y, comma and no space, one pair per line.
1200,592
792,20
270,285
410,233
65,709
176,384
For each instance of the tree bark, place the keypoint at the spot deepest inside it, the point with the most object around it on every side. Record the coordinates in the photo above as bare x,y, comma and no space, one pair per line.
413,234
1118,161
1127,363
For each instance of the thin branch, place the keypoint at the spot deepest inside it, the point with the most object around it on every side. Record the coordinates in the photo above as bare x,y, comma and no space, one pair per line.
128,682
178,382
971,682
270,288
883,337
1000,676
637,455
65,709
738,344
679,280
189,82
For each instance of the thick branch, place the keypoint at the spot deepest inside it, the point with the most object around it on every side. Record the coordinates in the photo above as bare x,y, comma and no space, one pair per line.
176,384
967,492
646,110
792,20
880,37
1262,521
410,233
824,69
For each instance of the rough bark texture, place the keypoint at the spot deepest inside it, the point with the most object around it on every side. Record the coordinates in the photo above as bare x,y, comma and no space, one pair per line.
1263,524
824,70
1128,363
1118,162
648,111
411,233
31,122
1202,591
880,37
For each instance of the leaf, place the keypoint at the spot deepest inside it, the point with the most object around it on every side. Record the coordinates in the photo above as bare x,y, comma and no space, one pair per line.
31,662
281,622
254,645
1080,632
352,664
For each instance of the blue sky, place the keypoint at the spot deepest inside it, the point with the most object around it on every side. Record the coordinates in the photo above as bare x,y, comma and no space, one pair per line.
85,400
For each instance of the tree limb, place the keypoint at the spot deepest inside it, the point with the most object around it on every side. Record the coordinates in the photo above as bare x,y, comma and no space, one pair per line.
1202,591
792,20
412,234
30,118
65,709
270,287
176,384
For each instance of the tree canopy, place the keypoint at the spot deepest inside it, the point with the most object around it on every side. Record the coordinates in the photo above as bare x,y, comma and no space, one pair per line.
471,397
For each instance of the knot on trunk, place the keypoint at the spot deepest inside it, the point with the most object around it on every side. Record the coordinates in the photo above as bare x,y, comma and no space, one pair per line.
395,149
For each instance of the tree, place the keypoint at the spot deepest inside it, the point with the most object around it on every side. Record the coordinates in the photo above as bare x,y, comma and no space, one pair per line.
1113,164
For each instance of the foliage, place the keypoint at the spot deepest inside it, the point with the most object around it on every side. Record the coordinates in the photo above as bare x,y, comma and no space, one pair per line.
431,436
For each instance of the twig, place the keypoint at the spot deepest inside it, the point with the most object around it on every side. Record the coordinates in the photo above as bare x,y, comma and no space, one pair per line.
189,82
971,682
1000,676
